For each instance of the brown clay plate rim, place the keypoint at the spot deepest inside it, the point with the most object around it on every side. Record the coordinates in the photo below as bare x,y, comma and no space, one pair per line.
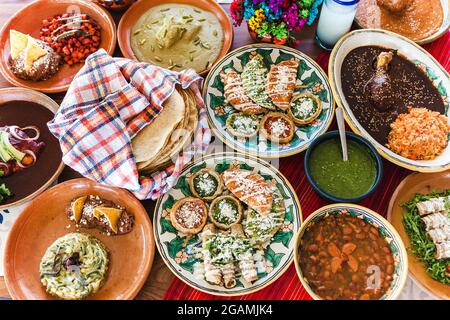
50,104
412,184
16,232
127,22
38,85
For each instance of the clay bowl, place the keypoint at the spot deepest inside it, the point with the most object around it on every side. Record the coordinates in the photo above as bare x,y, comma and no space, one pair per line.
36,177
29,21
139,8
44,220
406,190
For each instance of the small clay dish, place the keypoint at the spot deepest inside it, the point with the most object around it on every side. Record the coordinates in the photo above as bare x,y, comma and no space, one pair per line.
132,15
29,21
45,220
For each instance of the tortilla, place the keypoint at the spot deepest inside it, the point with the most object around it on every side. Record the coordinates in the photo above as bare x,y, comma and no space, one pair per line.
150,140
178,139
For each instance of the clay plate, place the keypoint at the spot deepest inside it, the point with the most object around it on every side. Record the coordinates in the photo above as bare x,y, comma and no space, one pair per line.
139,8
418,183
44,220
29,21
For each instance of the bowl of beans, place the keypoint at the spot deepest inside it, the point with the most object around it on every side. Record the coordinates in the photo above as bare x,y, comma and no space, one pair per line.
348,252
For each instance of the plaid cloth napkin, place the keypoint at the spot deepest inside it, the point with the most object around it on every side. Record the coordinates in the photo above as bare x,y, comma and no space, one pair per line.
109,101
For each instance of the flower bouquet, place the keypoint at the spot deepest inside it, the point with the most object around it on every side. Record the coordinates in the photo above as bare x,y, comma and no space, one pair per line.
274,20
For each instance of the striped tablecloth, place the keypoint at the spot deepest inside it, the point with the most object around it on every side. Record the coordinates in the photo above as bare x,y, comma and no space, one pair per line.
288,286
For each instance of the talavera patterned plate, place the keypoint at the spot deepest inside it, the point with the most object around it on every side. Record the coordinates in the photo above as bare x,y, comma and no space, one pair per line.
179,252
312,79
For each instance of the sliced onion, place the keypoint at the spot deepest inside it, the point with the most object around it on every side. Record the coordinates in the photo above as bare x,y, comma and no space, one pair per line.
31,153
13,131
5,167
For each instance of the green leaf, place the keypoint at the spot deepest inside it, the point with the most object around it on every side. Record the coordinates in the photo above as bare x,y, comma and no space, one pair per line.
273,257
312,79
166,226
308,130
283,57
266,54
239,284
183,186
266,176
431,74
192,240
289,215
262,275
198,167
168,204
283,237
221,167
218,84
216,101
188,265
441,89
245,166
244,58
303,67
282,191
174,246
323,95
230,65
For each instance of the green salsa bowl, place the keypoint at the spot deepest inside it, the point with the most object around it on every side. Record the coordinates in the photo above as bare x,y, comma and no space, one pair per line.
339,181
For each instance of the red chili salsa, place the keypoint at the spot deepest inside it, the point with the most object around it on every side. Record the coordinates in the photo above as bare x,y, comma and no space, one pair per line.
345,258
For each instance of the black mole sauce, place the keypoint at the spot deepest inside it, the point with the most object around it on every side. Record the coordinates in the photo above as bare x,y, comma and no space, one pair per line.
410,86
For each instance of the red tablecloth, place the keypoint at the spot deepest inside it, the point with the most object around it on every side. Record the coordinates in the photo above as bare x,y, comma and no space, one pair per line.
288,286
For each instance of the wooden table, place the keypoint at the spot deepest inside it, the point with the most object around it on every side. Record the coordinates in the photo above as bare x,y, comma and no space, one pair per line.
160,276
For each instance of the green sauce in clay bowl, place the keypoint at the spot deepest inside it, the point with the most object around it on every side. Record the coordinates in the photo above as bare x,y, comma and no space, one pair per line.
343,181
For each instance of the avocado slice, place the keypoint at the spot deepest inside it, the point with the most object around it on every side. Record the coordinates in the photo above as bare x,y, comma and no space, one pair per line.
7,147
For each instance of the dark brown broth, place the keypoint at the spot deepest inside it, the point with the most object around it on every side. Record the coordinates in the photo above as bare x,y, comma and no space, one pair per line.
27,181
318,254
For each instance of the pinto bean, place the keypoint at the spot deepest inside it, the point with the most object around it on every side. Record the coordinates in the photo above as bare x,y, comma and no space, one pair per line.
347,238
360,236
389,259
390,269
347,230
373,237
313,247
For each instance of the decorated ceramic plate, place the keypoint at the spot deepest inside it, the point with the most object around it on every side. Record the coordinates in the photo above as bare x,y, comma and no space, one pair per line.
310,78
368,125
425,184
268,259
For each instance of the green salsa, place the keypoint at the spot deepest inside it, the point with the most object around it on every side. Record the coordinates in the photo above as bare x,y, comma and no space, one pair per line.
347,179
226,212
304,108
205,184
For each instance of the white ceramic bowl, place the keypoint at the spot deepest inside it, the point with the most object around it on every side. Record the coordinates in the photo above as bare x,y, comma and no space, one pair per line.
414,53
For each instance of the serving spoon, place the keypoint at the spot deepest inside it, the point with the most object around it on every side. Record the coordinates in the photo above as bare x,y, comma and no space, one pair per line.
341,126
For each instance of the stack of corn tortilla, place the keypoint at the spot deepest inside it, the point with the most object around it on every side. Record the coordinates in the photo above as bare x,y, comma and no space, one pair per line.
157,144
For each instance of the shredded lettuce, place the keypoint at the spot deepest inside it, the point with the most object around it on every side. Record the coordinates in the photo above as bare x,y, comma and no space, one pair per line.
421,244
